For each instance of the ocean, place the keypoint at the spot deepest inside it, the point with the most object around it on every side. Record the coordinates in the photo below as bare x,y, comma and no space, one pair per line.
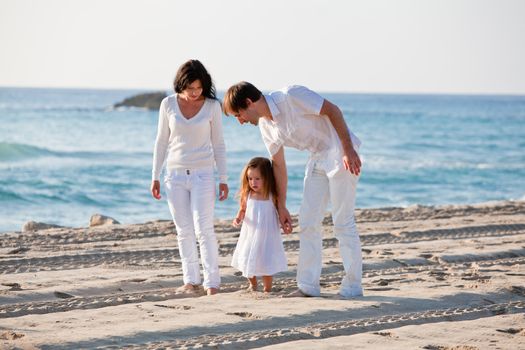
66,154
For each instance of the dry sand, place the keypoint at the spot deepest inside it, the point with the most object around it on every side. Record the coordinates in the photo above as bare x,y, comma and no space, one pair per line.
448,277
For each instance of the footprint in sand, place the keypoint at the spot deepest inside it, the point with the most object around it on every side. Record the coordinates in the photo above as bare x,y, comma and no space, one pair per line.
382,289
439,275
518,290
18,250
135,280
386,281
12,285
519,331
10,335
176,307
459,347
247,315
63,295
386,334
475,277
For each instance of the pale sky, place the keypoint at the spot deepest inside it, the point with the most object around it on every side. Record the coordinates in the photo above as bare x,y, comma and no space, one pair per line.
398,46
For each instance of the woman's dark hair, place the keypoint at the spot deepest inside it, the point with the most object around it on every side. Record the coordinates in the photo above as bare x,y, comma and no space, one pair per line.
189,72
235,97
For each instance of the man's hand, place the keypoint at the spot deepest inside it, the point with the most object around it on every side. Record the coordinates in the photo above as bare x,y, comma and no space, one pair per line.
351,159
285,219
281,182
155,189
352,162
223,191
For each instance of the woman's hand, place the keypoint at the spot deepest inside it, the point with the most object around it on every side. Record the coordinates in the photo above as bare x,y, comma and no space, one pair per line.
223,191
155,189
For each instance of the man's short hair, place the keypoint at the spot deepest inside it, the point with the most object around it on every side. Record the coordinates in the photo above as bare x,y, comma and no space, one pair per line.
235,97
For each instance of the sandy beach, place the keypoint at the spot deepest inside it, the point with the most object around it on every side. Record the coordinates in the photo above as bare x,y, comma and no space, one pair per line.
444,277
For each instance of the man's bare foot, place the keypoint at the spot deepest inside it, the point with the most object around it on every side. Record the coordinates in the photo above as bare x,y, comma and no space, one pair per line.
296,294
212,291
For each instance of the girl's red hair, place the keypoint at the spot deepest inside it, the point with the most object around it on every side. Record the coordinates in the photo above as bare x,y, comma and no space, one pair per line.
264,165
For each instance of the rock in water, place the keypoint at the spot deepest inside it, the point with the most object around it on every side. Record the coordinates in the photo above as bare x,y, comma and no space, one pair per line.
100,220
149,101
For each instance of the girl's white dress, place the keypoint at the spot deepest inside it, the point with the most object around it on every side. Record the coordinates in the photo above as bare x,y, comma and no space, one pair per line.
259,250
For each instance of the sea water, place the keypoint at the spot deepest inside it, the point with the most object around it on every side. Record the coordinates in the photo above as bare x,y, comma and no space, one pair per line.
66,154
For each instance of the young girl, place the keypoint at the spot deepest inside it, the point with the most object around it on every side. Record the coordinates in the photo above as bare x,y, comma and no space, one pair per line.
259,251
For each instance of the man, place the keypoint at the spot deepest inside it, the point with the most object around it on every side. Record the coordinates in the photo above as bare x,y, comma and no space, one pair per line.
298,117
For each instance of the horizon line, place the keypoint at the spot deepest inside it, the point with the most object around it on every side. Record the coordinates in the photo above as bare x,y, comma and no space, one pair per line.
145,90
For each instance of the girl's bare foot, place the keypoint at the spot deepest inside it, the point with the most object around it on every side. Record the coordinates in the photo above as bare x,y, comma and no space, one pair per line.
253,284
267,284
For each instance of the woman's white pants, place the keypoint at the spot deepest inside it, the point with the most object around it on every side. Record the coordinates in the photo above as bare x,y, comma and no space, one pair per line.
191,199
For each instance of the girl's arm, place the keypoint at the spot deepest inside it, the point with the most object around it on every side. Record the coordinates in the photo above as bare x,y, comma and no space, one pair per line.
240,215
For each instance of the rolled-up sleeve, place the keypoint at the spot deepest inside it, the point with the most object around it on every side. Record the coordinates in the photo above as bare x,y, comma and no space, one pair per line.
310,102
270,136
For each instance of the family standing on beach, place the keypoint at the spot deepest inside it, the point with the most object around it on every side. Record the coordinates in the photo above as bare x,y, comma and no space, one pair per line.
190,142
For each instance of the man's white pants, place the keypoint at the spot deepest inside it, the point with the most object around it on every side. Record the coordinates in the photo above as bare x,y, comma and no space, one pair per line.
340,189
191,199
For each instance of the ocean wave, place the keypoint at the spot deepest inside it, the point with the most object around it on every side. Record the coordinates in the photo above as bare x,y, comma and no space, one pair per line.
9,197
18,151
381,163
128,109
52,108
12,152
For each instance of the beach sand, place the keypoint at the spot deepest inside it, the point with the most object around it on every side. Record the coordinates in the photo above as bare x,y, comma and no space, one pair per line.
446,277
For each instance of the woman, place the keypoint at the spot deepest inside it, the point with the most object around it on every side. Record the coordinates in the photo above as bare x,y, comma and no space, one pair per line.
189,139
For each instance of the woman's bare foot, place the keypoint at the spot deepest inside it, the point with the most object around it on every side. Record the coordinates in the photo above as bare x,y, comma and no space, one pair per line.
187,288
212,291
